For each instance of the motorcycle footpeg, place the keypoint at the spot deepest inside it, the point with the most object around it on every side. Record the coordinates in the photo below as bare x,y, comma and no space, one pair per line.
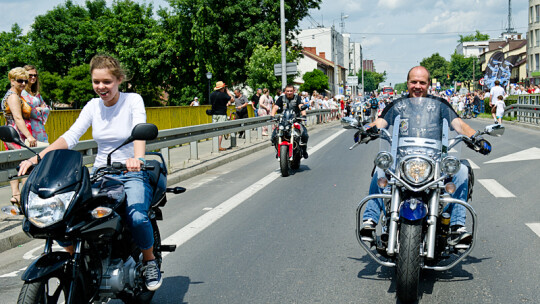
168,248
462,246
176,190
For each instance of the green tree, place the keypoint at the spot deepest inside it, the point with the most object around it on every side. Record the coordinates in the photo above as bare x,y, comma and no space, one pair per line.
400,87
461,68
372,80
315,80
473,37
437,67
260,67
15,51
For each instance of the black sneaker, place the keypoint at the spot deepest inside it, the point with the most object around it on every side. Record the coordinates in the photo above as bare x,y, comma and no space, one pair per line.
367,229
304,151
152,275
460,235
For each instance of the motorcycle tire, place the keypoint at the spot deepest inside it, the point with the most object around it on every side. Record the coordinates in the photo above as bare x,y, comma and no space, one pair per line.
295,164
284,160
408,261
36,292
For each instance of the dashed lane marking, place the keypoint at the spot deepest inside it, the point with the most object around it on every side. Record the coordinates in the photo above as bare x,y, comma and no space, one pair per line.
192,229
535,227
529,154
495,188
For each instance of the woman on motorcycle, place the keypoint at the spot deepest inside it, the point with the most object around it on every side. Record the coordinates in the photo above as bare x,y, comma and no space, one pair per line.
112,116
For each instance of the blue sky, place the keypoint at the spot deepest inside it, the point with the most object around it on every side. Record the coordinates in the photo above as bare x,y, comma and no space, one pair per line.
396,34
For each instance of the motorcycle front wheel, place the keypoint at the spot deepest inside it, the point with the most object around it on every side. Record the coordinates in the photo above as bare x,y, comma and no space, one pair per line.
284,160
45,290
408,261
295,164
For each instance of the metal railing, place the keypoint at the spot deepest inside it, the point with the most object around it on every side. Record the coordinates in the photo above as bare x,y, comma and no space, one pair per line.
166,139
526,110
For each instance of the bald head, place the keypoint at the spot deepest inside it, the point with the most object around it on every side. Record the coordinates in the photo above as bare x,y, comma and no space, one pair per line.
418,81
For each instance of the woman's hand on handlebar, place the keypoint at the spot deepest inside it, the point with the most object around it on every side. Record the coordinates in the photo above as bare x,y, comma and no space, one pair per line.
24,166
133,164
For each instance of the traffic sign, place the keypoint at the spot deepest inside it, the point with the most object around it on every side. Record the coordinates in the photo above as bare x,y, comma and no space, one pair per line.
292,68
481,81
352,81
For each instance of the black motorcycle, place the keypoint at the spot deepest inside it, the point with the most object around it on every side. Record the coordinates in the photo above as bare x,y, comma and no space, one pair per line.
61,201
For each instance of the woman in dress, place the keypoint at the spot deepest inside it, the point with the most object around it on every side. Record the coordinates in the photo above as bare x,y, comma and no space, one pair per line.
17,115
40,110
265,107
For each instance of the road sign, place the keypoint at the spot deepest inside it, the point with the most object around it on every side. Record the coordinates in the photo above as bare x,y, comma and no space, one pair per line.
481,81
292,68
352,81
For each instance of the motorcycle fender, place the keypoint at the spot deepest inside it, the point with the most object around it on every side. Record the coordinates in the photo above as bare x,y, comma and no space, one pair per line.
284,143
45,265
413,209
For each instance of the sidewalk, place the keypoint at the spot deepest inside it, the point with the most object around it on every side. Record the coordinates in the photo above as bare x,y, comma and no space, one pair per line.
11,234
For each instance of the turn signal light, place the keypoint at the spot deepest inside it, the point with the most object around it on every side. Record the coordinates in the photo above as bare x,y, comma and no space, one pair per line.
101,212
450,188
11,210
382,182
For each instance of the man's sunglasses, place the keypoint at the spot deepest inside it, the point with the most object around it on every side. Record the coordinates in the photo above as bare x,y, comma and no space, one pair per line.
21,81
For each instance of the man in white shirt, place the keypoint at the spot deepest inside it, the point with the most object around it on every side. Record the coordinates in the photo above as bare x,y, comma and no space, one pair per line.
495,91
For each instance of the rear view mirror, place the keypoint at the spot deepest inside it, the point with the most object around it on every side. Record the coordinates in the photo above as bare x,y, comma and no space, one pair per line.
9,134
144,131
349,123
494,130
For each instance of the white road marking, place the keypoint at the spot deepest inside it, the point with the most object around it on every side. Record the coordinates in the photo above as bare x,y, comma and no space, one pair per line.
13,273
534,227
529,154
29,255
207,209
473,165
495,188
192,229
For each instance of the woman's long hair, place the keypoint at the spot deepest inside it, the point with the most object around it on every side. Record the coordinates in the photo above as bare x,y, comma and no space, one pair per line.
32,88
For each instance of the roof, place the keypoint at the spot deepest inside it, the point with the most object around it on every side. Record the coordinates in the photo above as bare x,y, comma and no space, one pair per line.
317,58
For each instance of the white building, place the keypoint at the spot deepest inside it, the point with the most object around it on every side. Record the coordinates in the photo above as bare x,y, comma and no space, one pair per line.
533,42
472,48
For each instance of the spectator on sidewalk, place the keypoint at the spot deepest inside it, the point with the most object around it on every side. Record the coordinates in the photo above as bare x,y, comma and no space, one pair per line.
195,102
499,104
255,101
240,104
494,94
40,110
220,99
265,107
17,115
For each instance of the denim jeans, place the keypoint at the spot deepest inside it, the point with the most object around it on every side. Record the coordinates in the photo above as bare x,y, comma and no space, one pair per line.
457,211
138,199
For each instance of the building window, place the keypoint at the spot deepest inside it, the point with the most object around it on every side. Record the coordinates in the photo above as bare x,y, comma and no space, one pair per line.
537,36
530,14
537,61
537,9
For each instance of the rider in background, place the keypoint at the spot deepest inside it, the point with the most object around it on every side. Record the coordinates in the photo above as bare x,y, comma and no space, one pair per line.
418,80
291,101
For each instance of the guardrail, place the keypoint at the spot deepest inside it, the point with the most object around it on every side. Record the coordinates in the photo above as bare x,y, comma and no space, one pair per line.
526,110
166,139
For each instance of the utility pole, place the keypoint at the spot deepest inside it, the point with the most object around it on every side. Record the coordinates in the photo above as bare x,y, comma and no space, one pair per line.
334,54
283,46
473,72
362,67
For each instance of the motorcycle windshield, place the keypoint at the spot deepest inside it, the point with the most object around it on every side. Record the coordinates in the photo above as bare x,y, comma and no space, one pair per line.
57,171
420,126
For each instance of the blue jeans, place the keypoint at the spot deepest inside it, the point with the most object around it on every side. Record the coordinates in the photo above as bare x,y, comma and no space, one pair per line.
457,211
138,199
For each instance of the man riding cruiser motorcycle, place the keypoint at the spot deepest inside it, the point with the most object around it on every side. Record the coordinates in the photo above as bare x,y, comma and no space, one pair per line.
292,101
418,80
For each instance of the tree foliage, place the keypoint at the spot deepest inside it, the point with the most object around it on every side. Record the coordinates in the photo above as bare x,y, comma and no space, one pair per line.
372,80
315,80
437,66
473,37
167,56
260,67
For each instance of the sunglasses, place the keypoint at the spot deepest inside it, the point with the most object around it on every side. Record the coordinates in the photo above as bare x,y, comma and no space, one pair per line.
33,75
21,81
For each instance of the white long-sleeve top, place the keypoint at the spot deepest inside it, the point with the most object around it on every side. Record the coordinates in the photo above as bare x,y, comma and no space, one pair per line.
111,126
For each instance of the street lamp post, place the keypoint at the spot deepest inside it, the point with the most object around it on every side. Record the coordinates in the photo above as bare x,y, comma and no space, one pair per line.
209,77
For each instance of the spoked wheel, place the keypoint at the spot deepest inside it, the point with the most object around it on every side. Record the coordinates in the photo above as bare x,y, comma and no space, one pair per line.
45,290
284,160
408,261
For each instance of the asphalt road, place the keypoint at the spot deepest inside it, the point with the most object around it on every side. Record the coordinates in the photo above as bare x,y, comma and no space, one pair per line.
251,236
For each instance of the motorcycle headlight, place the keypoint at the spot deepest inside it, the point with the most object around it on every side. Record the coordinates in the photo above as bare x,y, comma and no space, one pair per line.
416,170
48,211
281,127
384,160
450,165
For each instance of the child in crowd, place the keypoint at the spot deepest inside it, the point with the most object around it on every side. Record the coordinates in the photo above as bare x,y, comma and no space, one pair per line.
500,108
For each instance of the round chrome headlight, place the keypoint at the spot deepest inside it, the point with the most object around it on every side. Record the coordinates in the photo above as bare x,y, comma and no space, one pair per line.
45,212
450,165
384,160
281,127
417,170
